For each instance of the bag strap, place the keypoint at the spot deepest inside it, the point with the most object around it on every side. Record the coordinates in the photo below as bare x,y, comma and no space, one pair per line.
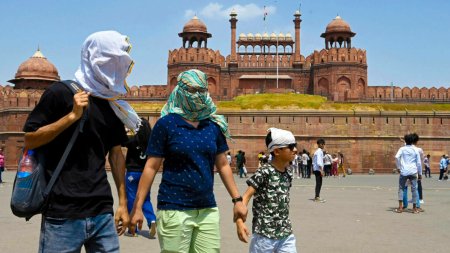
74,87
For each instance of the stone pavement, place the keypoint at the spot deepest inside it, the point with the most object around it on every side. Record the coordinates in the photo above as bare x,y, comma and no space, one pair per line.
357,217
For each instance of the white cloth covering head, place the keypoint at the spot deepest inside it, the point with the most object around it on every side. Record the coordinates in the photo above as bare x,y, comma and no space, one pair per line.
280,138
105,64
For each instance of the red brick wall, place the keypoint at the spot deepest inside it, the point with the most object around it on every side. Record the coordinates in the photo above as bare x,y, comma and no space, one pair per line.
368,139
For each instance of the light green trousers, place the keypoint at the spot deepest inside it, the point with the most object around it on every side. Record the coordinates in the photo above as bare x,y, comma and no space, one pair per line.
189,231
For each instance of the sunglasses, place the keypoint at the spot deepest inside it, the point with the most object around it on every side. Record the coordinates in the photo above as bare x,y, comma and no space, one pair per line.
291,146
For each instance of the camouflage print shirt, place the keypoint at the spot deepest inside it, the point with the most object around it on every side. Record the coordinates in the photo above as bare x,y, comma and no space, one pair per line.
271,202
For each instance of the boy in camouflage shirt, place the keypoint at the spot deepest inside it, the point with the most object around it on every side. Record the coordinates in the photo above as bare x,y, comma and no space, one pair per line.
270,185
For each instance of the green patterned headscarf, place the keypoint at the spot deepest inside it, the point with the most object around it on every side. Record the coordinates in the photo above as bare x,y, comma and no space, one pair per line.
190,99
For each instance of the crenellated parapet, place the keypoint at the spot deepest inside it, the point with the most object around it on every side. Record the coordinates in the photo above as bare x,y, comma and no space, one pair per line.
352,55
19,98
195,55
406,93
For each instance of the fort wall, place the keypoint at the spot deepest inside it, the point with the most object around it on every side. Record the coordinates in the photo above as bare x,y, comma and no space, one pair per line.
369,140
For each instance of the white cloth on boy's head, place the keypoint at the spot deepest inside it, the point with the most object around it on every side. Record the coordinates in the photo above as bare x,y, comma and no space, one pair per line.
105,64
280,138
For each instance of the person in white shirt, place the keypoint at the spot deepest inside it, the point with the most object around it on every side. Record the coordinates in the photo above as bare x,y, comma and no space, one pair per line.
419,182
426,162
305,159
295,171
442,167
409,164
327,160
229,158
318,169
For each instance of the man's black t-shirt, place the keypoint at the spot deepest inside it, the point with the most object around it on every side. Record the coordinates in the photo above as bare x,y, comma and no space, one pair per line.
82,189
136,157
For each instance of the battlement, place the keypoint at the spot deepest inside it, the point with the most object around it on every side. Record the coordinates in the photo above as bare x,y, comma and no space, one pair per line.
407,93
195,56
22,98
352,55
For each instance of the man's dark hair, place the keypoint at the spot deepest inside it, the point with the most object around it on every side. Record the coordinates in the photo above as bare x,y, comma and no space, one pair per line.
268,138
268,141
408,139
320,141
415,137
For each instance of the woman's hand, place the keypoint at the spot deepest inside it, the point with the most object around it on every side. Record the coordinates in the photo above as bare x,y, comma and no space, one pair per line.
137,218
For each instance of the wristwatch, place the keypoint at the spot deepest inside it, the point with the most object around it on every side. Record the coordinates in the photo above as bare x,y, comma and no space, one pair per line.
234,200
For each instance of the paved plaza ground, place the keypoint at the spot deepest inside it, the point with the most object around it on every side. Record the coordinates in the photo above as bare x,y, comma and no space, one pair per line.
357,217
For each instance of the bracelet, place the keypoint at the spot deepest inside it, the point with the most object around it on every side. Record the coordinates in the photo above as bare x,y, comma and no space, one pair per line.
234,200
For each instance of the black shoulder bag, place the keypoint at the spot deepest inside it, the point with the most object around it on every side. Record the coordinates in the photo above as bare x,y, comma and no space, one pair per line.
30,194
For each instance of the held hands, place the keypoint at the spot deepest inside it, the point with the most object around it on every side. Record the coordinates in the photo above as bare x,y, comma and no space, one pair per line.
242,231
80,101
121,219
240,211
137,218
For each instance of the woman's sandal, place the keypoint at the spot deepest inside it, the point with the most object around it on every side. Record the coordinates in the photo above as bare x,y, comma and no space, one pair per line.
398,210
416,211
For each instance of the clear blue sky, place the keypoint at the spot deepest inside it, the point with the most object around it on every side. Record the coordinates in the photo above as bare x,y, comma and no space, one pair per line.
407,41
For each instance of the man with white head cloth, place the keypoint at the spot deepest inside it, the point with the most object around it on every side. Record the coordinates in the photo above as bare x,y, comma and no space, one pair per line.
80,210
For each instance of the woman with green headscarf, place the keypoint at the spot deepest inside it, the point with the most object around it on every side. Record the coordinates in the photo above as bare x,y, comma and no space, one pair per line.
189,139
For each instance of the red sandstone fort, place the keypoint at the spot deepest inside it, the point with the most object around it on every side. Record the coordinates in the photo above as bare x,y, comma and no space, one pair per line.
269,63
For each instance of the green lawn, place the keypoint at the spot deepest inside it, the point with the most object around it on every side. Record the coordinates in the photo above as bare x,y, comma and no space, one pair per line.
308,102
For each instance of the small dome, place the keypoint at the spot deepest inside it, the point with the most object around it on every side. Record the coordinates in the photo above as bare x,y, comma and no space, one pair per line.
250,36
273,36
258,36
37,67
288,36
242,36
195,25
233,12
297,13
281,36
265,36
338,25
